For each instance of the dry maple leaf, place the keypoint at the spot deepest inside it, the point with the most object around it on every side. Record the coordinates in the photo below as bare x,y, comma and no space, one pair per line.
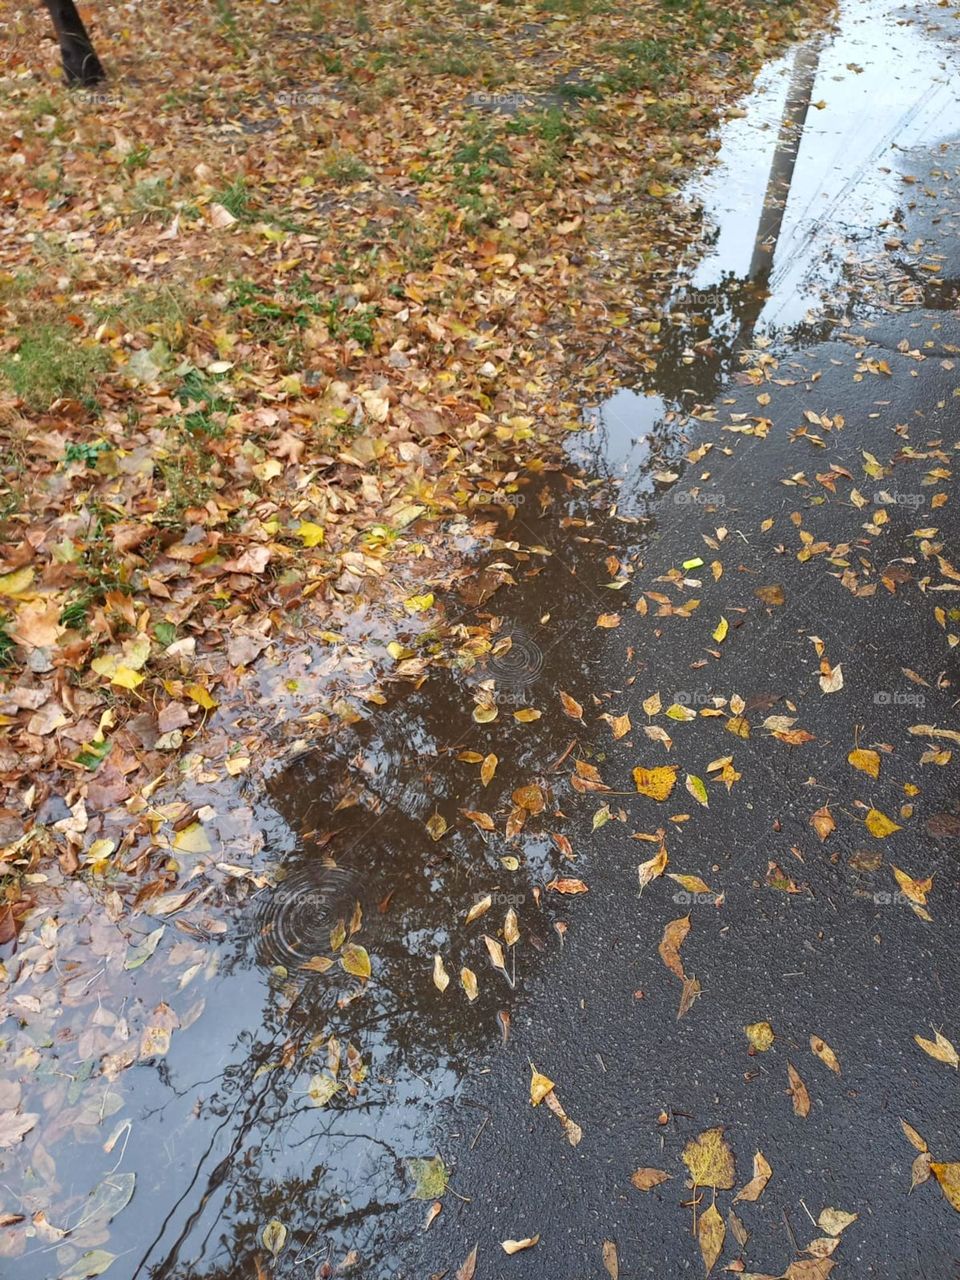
710,1160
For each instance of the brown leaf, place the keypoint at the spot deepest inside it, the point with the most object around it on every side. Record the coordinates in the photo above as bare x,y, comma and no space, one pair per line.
610,1260
762,1173
647,1179
825,1053
671,942
467,1271
571,706
798,1092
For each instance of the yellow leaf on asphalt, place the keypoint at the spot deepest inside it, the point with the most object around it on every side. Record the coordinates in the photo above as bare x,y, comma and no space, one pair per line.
939,1048
656,783
760,1035
710,1160
517,1246
720,633
879,825
865,761
948,1175
762,1173
540,1086
835,1221
652,704
916,890
680,712
825,1053
710,1236
692,884
653,867
495,951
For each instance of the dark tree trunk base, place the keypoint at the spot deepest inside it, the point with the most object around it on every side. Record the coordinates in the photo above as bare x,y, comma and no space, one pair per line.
81,66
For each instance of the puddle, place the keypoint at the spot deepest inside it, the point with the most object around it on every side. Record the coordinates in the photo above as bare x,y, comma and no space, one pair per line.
223,1131
805,187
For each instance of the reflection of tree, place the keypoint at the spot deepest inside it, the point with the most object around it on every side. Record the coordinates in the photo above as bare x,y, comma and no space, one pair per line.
718,323
337,1176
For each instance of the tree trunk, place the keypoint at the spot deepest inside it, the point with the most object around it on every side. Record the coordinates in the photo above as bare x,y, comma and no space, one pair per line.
80,63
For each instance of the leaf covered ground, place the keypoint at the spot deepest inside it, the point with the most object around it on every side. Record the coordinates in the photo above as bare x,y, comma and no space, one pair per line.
286,304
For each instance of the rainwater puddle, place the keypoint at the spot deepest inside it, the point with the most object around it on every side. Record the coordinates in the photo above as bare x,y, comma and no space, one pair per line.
805,184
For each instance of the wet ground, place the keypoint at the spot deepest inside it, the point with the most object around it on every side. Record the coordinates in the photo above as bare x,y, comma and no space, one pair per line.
773,506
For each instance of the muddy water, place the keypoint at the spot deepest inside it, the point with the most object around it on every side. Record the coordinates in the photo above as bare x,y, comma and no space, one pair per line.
223,1131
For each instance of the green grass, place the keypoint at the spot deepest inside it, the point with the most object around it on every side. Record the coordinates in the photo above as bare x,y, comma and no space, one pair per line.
208,407
236,200
343,166
49,363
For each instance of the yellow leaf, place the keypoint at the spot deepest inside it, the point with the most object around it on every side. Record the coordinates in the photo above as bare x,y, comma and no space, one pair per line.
673,938
692,884
355,960
419,604
16,584
720,634
437,826
760,1035
656,783
511,928
939,1048
495,952
710,1160
710,1236
526,715
516,1246
441,979
485,713
126,678
879,825
468,980
540,1086
835,1221
762,1173
192,839
865,761
679,712
653,867
948,1175
825,1053
479,908
608,620
916,890
620,725
312,535
198,694
652,704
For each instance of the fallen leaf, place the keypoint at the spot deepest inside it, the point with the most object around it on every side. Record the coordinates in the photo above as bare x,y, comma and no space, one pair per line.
866,761
825,1053
762,1173
517,1246
673,938
760,1035
710,1235
948,1175
879,825
940,1048
647,1179
441,979
710,1160
656,783
798,1092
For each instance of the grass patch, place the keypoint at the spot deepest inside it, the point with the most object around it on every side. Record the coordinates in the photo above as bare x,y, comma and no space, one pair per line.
49,363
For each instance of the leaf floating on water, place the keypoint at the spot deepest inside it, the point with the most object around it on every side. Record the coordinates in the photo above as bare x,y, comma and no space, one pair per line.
441,979
825,1054
495,951
321,1089
468,980
437,826
137,955
511,928
274,1236
431,1178
940,1048
647,1179
571,706
479,908
92,1263
711,1234
567,885
488,768
355,960
710,1160
798,1092
762,1173
517,1246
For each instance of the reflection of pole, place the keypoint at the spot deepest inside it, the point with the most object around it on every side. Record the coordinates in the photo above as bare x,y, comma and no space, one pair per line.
795,108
